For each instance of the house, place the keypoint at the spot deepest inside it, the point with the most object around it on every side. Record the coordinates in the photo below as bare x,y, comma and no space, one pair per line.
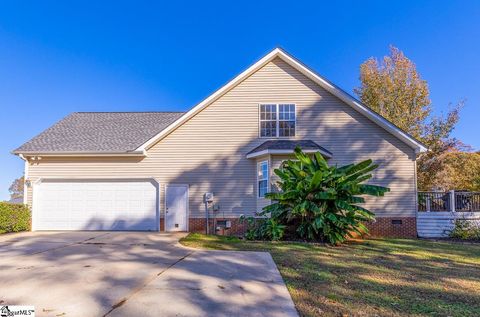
150,170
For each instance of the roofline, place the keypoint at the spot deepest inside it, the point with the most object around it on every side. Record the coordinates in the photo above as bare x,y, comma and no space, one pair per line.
129,112
79,153
285,151
327,85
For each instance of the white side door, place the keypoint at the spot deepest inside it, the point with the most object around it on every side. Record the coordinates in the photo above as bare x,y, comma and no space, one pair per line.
176,208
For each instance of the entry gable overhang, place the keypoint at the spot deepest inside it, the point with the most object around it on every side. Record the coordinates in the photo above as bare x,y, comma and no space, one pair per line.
279,147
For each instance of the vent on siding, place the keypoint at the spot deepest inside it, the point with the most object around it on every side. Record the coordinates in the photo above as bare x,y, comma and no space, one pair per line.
396,222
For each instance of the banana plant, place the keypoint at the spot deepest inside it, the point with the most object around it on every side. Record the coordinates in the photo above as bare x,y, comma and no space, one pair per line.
322,202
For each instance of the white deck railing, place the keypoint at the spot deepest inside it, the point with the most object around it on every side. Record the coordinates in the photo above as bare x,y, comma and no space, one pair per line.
437,211
451,201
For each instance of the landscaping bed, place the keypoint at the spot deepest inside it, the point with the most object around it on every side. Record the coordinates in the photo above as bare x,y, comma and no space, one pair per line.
380,277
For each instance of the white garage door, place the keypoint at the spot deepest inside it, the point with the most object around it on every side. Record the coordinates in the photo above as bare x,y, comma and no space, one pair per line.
95,205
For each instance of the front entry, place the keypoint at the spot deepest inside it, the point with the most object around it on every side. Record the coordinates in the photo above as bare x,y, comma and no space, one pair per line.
176,207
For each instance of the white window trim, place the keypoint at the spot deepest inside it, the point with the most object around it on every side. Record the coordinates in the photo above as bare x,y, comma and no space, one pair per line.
277,136
267,178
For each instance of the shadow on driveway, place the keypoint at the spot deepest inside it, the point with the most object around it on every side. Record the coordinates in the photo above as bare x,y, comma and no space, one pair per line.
136,273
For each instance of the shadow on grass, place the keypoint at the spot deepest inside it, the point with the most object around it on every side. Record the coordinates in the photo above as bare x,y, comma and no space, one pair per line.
391,277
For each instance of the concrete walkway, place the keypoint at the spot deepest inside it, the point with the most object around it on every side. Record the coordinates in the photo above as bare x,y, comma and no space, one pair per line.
136,274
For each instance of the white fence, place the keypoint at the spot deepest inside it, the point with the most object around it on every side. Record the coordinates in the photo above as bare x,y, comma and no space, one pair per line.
437,211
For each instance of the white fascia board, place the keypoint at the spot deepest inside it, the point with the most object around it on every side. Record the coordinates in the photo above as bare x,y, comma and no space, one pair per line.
82,154
279,152
336,91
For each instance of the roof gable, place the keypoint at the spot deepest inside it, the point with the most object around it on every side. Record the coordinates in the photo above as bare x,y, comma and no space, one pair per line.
319,80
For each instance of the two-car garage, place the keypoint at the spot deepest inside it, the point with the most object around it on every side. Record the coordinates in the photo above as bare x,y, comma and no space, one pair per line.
90,204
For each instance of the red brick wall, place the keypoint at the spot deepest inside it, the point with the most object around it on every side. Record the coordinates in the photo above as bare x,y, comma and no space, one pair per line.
382,227
198,225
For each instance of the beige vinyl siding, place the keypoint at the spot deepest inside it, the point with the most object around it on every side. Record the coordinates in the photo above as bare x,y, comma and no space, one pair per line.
208,151
29,193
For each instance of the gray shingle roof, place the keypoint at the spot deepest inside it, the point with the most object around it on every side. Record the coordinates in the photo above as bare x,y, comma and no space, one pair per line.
288,145
100,132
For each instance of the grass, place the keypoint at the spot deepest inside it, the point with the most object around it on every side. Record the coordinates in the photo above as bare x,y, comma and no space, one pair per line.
382,277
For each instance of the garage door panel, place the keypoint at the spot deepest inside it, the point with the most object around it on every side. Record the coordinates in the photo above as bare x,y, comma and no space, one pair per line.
96,205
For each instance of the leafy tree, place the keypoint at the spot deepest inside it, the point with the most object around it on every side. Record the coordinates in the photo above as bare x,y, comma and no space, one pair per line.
394,89
458,170
16,189
321,202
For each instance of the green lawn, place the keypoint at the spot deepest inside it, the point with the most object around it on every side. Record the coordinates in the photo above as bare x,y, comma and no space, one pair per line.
384,277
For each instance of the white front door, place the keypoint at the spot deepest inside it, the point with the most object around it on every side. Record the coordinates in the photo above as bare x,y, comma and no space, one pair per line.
176,207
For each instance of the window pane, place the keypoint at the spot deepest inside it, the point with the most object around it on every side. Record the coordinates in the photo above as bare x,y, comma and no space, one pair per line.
268,128
262,178
287,128
265,170
260,172
287,120
262,188
268,120
268,112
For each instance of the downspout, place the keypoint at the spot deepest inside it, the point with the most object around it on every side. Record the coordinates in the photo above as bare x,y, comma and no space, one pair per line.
25,178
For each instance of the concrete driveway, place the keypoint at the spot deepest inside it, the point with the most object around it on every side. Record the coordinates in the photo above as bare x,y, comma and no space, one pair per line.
136,274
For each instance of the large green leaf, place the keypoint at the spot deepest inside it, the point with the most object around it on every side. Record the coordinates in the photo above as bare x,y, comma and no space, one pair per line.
318,201
316,180
320,160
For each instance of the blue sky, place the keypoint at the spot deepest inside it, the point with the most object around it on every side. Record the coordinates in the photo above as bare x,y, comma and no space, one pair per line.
65,56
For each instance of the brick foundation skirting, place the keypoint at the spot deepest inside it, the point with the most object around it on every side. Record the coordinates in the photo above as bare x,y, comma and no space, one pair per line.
198,225
399,227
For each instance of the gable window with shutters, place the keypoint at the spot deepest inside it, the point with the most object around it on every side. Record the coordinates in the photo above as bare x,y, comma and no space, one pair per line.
262,178
277,120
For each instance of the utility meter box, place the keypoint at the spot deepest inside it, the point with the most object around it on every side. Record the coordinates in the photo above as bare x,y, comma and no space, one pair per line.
208,197
224,224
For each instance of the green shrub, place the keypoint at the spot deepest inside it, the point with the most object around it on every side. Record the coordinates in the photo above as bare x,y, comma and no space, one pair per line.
263,228
318,201
273,230
14,217
465,230
254,226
